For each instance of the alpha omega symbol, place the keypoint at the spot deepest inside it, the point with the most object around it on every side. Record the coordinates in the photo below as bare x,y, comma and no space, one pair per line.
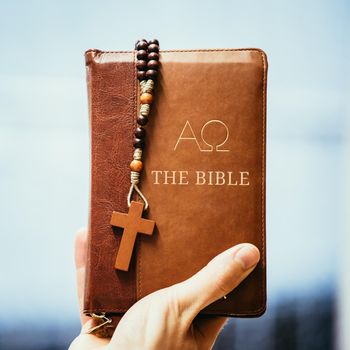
214,133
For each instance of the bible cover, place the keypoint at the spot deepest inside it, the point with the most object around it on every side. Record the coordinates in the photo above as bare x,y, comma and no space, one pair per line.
203,176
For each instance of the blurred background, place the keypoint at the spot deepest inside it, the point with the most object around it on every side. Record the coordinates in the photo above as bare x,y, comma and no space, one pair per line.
44,157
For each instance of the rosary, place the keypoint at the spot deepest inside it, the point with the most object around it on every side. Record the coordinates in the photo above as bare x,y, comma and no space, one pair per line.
147,66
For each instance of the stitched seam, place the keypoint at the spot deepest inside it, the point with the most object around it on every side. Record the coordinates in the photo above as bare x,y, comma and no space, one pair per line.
132,137
139,272
248,313
87,311
182,50
263,289
138,281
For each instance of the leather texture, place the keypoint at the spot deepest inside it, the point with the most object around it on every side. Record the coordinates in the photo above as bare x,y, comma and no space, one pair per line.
203,176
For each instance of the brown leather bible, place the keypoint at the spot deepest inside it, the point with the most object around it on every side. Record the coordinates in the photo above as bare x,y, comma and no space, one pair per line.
204,173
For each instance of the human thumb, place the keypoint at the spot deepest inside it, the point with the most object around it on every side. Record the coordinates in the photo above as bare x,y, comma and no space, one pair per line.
219,277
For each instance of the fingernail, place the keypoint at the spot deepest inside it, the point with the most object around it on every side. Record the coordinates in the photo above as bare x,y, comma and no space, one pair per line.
248,256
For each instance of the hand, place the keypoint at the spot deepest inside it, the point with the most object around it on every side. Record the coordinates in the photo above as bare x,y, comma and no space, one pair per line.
166,319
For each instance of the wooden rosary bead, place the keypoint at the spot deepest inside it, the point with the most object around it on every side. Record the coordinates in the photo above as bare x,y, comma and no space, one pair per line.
141,45
140,132
141,75
153,56
153,64
146,97
151,74
147,68
153,48
142,120
138,41
141,55
141,65
154,41
139,143
136,165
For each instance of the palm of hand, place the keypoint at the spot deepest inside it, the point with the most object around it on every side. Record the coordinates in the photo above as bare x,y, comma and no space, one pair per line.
167,319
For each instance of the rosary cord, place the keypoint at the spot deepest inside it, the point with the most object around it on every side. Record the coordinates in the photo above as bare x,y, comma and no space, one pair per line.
147,70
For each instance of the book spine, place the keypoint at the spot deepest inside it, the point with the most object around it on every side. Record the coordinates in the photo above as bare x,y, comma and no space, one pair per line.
112,97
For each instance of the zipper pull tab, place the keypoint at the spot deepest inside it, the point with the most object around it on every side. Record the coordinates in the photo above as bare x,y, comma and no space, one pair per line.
102,317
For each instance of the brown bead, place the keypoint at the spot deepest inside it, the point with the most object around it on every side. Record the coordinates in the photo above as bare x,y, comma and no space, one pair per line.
153,64
153,56
138,41
141,65
136,165
140,133
142,119
138,143
151,74
154,41
146,97
153,48
141,45
141,75
141,55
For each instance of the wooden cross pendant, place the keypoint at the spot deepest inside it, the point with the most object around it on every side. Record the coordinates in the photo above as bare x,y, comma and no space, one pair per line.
133,223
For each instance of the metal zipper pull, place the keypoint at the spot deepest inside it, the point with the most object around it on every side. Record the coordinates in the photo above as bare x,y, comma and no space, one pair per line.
102,317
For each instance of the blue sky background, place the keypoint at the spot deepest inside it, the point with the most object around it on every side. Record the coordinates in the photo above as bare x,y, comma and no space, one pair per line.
44,137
